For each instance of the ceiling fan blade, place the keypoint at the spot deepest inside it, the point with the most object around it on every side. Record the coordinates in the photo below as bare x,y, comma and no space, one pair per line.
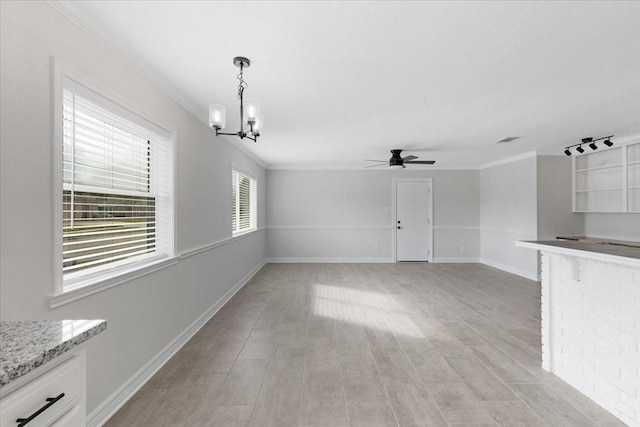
409,158
421,162
374,166
381,161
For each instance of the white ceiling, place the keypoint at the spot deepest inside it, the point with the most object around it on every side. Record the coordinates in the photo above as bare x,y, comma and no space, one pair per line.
339,82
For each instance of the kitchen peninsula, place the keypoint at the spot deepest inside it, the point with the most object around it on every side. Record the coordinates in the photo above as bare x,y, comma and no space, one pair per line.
591,320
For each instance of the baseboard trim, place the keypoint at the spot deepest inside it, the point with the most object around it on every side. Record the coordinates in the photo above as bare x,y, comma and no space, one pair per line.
445,260
509,269
330,260
118,398
362,260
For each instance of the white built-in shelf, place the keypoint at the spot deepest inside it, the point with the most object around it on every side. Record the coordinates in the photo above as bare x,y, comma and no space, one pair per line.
600,189
608,180
600,167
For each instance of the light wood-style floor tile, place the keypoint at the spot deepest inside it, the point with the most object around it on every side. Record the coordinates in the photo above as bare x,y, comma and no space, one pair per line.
370,414
513,414
413,406
338,345
550,406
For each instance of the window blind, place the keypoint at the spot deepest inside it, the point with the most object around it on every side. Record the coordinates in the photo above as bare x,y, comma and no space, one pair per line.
242,207
110,198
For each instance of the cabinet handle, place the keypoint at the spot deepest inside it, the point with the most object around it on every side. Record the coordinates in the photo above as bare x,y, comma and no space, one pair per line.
50,401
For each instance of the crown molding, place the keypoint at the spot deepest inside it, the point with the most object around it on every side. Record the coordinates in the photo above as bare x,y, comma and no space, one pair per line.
509,160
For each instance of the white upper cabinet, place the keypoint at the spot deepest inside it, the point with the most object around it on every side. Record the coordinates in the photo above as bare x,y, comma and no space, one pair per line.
607,180
633,177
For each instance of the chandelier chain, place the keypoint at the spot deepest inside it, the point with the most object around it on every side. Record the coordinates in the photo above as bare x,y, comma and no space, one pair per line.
243,85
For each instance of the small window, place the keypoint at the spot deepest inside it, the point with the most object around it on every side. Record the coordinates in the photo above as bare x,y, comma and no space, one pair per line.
117,209
243,205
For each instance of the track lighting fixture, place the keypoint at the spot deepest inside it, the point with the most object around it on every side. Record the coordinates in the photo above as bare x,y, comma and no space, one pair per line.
591,142
249,111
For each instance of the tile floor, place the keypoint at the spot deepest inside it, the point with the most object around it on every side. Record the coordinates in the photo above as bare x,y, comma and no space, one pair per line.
367,345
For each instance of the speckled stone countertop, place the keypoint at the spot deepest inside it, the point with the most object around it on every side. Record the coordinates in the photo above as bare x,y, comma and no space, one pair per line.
596,251
25,345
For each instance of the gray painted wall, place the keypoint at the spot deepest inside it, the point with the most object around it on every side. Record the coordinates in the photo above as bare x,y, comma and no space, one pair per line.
555,213
508,212
620,226
145,314
347,214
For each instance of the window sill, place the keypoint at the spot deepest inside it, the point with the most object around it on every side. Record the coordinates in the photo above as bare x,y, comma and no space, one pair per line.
94,285
243,233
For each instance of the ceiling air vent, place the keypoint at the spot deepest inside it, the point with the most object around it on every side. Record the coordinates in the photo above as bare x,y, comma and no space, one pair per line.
507,139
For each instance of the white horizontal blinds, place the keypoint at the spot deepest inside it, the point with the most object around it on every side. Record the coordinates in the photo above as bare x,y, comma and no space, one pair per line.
244,203
234,203
242,210
109,206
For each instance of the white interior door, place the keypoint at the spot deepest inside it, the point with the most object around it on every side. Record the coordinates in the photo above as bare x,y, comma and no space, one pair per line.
413,220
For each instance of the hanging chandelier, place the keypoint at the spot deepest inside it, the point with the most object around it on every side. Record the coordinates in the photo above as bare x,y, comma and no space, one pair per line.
249,110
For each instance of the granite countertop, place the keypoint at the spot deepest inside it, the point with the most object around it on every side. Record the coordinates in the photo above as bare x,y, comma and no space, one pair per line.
597,251
604,241
25,345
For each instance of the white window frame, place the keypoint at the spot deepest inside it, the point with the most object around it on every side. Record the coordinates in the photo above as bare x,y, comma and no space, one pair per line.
253,204
71,288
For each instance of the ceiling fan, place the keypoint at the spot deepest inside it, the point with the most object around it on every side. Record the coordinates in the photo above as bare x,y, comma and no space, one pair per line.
397,162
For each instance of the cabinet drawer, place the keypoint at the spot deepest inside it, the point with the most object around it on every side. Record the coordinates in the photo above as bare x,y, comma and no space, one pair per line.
68,378
72,418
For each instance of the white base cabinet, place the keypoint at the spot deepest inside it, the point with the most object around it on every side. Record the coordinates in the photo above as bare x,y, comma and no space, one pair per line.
54,397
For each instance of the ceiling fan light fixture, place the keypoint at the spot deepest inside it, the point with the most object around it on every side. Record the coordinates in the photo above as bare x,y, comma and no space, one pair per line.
398,162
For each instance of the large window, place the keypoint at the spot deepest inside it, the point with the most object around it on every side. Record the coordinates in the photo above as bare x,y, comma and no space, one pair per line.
243,206
117,188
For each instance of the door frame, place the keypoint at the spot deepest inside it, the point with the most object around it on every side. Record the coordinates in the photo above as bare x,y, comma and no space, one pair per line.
394,209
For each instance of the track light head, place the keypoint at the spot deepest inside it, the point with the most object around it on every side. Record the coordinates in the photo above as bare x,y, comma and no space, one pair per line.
608,143
593,146
580,149
567,152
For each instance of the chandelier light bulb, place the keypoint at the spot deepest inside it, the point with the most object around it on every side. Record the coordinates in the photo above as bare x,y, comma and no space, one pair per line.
216,116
